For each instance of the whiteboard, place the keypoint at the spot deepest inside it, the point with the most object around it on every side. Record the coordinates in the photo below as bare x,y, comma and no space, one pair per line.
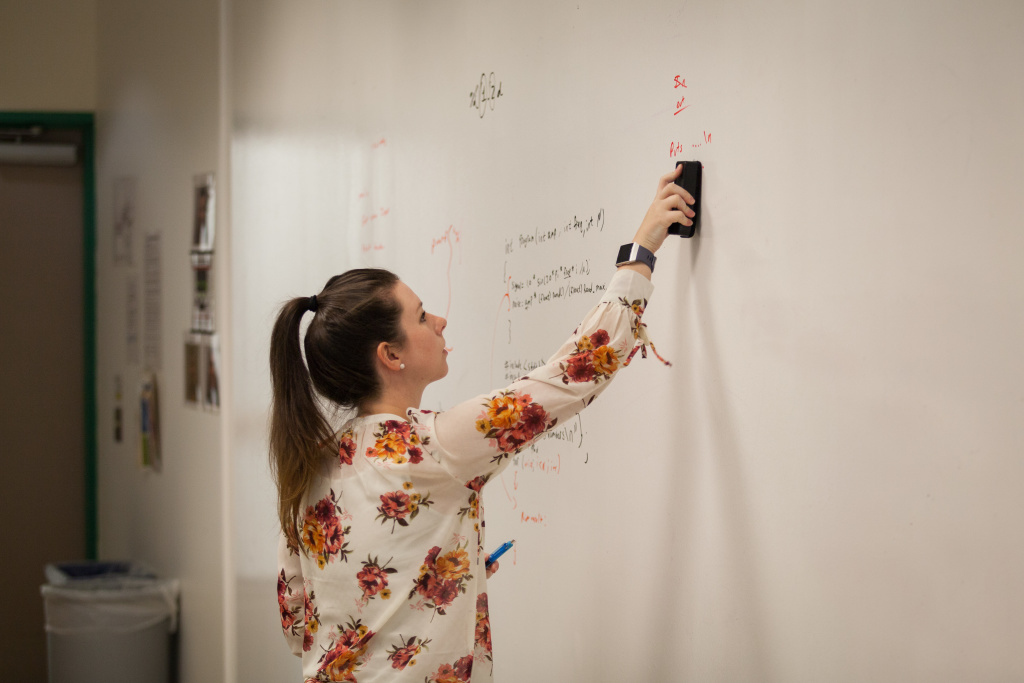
824,485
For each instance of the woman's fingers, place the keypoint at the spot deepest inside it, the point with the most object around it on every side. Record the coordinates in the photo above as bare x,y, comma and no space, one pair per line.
673,189
669,178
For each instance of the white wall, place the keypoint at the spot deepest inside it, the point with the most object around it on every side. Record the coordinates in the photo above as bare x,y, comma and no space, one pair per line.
159,120
823,486
48,53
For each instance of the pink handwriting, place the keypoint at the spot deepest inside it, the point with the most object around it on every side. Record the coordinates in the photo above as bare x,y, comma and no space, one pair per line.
532,519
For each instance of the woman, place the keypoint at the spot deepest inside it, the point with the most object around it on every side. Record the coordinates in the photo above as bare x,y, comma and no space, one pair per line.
382,565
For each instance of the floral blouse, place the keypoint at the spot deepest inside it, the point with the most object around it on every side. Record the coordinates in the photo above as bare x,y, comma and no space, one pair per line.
390,583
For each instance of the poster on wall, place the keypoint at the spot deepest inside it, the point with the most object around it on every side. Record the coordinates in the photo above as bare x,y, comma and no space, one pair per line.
193,370
149,432
203,212
211,378
202,371
124,220
202,294
131,319
152,280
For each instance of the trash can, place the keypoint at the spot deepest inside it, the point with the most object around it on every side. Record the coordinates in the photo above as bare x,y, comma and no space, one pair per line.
108,621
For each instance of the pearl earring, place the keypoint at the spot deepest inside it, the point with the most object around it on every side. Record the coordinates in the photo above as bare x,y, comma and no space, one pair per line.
402,366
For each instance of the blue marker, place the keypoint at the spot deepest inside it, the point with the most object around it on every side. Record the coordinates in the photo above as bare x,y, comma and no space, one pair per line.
498,553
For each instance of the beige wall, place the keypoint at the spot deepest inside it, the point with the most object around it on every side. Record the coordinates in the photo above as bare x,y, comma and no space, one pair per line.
151,72
48,53
158,119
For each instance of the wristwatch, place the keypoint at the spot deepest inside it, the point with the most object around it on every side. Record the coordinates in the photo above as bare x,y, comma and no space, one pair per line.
634,253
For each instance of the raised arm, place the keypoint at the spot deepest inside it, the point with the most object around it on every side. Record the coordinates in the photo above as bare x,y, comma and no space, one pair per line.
476,437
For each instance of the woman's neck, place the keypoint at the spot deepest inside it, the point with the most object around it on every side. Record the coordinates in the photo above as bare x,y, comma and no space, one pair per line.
392,402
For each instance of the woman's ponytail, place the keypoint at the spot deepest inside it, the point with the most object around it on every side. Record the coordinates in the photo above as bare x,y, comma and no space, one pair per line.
299,432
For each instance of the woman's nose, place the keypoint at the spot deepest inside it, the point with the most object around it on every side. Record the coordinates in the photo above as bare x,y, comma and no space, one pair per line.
441,324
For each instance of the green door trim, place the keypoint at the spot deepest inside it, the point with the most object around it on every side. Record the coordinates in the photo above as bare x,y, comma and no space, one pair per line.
85,123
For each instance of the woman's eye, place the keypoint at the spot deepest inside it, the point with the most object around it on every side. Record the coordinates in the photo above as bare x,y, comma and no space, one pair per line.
423,317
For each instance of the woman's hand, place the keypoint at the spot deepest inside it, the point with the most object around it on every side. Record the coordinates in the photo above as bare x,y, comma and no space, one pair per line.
670,205
491,569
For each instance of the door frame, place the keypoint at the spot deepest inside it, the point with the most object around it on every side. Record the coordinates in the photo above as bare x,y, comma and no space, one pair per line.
84,123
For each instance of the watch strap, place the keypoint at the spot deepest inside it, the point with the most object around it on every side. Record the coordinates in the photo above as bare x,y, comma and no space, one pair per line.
634,253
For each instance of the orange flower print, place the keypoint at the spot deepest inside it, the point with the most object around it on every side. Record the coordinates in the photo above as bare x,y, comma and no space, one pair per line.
312,619
459,672
472,508
442,579
396,443
605,361
346,447
373,580
346,653
482,638
400,507
322,535
285,601
511,420
405,655
473,505
592,361
453,565
503,411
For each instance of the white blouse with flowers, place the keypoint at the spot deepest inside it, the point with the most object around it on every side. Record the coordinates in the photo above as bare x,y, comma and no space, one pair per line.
390,584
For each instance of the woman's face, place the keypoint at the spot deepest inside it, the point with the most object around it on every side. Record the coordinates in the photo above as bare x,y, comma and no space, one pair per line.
423,352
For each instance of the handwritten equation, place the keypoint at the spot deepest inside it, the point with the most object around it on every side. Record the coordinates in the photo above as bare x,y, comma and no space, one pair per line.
541,461
680,90
579,227
485,94
520,367
538,290
679,105
372,211
451,237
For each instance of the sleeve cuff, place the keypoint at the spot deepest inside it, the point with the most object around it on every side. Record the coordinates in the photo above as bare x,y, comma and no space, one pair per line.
628,284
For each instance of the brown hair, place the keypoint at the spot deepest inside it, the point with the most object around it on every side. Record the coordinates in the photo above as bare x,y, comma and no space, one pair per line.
354,313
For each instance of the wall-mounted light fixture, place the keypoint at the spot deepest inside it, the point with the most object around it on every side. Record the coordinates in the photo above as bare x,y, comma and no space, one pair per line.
23,147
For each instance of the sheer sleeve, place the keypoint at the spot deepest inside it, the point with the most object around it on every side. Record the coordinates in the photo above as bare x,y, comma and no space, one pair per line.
475,438
291,595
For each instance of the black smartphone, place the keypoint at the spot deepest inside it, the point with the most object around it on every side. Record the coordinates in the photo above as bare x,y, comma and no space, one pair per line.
690,180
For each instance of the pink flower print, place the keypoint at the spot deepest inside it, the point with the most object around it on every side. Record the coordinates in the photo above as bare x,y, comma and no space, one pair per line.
346,448
402,506
404,655
289,614
373,580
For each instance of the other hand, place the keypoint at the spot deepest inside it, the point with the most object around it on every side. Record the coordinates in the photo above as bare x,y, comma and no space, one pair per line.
671,205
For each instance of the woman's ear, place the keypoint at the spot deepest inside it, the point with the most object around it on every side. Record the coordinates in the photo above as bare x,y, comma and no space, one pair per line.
387,358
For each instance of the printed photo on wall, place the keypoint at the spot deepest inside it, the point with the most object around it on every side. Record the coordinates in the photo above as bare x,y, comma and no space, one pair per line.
202,295
203,224
202,371
152,298
149,433
193,370
124,220
132,316
211,378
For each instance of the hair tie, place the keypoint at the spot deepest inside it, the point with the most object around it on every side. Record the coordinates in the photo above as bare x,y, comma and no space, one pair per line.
311,305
